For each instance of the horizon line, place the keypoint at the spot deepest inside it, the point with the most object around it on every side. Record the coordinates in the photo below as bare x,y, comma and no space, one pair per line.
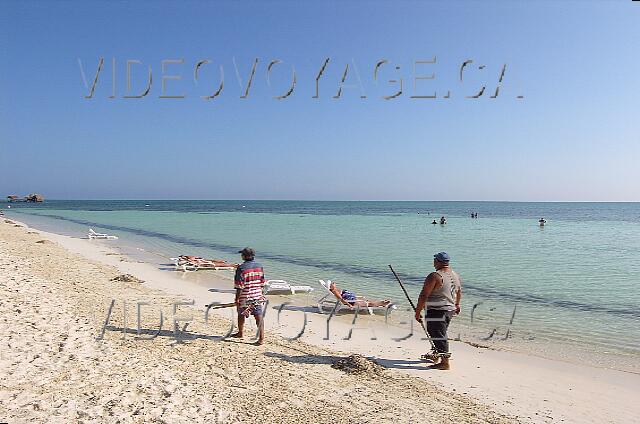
335,200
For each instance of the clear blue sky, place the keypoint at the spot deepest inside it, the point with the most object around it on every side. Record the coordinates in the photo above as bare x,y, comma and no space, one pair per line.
574,136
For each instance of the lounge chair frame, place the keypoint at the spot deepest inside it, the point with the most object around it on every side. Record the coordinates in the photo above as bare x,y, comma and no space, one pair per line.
100,236
281,287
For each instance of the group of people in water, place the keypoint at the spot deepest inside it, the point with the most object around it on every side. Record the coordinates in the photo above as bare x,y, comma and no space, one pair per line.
443,221
474,215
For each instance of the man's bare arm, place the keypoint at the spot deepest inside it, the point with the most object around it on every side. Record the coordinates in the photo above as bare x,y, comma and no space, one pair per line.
458,293
429,284
458,298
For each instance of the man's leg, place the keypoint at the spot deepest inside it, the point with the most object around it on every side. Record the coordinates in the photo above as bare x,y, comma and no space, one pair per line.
239,334
378,303
437,323
260,324
436,327
444,360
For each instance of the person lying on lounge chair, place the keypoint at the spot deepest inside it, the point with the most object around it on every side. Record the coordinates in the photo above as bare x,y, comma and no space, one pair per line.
219,262
351,300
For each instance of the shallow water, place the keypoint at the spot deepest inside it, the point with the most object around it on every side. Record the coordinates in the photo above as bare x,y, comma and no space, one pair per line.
573,282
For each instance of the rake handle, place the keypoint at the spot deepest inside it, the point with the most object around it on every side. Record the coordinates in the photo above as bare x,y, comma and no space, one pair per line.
413,306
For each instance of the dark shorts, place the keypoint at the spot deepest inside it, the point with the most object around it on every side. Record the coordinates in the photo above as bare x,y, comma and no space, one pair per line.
437,326
255,310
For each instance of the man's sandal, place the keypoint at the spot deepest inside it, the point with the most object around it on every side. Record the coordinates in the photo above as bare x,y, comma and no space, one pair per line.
431,357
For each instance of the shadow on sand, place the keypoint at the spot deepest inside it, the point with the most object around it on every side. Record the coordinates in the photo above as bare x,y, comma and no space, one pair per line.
307,358
404,364
183,334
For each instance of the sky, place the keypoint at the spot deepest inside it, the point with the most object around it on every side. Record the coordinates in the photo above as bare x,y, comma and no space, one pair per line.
573,136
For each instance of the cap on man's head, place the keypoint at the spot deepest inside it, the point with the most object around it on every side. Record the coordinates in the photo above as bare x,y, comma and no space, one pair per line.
442,257
248,252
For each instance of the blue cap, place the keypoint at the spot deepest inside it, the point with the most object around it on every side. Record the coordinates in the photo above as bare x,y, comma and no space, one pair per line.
442,257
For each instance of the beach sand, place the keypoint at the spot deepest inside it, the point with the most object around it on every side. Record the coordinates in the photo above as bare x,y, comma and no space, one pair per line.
56,291
54,369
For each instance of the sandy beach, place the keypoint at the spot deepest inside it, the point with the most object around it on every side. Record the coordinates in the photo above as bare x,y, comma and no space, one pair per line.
429,211
56,291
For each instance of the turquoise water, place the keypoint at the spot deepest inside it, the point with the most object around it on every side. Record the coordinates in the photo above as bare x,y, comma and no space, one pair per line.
572,282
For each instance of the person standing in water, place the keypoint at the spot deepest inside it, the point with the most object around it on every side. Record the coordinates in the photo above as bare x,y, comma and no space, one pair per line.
443,220
542,221
441,295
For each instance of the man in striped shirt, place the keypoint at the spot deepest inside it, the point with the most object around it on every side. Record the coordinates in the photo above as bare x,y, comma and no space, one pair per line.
249,283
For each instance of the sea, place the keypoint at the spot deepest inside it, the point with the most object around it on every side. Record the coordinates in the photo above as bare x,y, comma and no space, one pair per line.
570,288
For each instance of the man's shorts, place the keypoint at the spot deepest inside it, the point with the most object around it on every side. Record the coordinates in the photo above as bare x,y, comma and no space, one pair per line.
246,310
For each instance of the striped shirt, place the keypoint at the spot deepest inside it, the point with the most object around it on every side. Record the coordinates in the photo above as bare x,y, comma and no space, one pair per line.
249,280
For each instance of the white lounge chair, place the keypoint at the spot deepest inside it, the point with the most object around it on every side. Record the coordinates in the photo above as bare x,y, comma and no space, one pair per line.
329,300
93,235
282,287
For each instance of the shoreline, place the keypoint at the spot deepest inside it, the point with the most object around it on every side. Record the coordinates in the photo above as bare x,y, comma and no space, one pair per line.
521,339
544,390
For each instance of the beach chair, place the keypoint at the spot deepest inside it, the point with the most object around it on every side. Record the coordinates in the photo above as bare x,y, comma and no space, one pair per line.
281,287
183,264
195,263
328,301
100,236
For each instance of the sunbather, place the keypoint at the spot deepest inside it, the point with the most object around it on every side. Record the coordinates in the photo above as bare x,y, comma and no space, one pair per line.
351,300
197,259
